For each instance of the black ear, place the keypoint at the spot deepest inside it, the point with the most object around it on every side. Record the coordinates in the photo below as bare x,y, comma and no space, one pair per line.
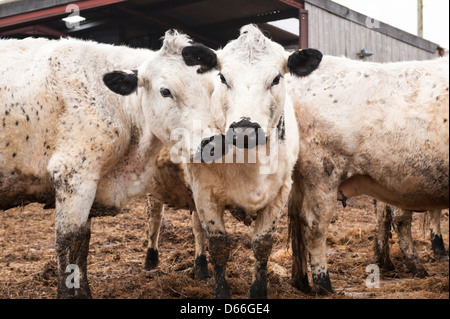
121,82
304,62
200,55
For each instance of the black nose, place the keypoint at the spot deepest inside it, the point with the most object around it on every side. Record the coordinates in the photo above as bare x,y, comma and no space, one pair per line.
245,134
211,149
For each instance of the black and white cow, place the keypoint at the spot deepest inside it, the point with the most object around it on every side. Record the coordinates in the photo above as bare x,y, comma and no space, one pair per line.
365,128
245,163
66,139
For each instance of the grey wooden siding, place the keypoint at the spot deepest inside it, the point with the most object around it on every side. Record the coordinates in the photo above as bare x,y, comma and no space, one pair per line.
334,35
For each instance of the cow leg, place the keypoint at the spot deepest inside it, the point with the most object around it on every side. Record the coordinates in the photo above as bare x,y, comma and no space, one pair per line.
155,212
74,198
211,218
402,220
383,214
265,226
437,244
318,214
200,270
219,250
296,234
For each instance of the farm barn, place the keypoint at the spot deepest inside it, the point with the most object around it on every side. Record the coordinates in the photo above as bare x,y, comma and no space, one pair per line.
118,244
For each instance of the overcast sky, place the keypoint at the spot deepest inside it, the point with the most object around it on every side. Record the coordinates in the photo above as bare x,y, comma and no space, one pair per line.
402,14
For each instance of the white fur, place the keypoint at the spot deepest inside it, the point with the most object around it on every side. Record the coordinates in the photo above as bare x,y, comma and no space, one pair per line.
375,129
65,132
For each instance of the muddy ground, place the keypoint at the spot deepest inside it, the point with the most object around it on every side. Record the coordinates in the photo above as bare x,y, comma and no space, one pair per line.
118,245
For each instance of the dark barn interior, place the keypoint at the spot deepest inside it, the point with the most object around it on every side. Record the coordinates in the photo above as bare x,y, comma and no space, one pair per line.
141,23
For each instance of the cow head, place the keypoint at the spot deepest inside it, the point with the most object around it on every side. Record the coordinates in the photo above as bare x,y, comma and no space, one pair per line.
250,93
175,98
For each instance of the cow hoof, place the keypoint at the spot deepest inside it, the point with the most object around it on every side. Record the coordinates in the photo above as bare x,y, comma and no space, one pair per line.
200,270
386,264
78,293
322,291
420,273
151,259
322,285
258,290
222,291
437,245
441,255
417,269
302,284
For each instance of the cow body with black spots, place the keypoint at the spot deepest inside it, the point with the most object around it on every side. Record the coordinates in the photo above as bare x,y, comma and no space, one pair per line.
365,128
65,139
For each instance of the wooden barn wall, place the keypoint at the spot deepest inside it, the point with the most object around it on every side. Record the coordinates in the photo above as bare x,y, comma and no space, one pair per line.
333,35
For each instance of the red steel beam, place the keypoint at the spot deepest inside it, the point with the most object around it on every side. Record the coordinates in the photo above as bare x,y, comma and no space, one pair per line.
34,30
304,33
299,4
53,12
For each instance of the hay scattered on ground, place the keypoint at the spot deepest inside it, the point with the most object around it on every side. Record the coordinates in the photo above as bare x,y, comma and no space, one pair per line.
118,244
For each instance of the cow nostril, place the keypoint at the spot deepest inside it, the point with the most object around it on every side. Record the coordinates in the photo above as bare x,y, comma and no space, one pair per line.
245,134
245,123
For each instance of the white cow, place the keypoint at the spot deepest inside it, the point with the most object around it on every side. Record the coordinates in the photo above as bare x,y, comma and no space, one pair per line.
169,187
250,111
66,138
365,128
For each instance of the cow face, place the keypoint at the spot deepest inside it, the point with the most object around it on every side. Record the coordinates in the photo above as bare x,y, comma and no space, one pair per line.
249,91
175,98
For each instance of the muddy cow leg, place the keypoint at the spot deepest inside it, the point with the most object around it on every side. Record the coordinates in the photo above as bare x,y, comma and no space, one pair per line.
155,212
74,198
200,270
219,250
318,213
383,214
297,236
262,242
402,220
437,244
211,217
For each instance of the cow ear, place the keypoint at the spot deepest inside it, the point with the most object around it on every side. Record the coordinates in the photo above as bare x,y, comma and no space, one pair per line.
200,55
122,82
304,62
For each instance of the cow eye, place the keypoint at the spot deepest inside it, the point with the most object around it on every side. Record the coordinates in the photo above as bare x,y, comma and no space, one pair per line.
165,93
222,79
276,81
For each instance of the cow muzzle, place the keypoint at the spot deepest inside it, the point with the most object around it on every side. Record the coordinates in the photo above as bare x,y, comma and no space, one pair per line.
245,134
211,149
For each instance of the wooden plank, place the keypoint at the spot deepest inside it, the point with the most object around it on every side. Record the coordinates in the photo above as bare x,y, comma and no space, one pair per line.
353,42
345,13
377,47
334,34
359,41
323,41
